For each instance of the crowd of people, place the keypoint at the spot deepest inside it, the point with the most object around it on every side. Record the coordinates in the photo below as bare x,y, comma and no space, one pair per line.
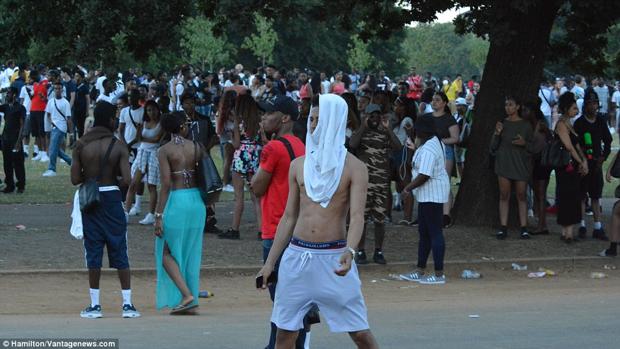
409,133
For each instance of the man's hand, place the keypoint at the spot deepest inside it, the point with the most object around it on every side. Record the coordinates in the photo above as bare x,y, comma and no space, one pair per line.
405,194
265,272
346,259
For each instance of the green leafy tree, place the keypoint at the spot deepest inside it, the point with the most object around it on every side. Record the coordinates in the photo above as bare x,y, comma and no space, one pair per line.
202,45
359,57
263,41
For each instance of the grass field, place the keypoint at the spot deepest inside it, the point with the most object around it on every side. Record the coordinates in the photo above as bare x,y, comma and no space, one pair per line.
48,190
55,190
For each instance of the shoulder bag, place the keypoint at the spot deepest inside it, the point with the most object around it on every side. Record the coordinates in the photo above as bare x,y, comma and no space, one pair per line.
89,190
208,179
554,155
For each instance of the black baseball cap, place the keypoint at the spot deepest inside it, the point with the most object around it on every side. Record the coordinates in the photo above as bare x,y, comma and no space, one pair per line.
283,104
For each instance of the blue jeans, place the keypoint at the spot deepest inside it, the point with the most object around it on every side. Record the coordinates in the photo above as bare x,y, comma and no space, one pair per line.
301,339
430,219
56,139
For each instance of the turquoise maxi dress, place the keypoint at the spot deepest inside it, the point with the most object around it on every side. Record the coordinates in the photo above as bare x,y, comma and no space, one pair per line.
183,225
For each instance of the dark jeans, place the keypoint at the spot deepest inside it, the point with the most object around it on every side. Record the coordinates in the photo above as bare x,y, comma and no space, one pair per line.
430,219
301,338
79,119
13,166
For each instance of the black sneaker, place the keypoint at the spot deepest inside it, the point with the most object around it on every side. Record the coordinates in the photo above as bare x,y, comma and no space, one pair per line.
525,235
230,234
378,257
20,190
8,190
360,257
588,211
501,235
447,221
582,233
599,234
608,253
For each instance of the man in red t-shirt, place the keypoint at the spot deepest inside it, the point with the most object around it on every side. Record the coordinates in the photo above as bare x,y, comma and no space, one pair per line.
37,113
270,183
415,85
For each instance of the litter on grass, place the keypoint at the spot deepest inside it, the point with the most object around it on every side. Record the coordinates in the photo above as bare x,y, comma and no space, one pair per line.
519,267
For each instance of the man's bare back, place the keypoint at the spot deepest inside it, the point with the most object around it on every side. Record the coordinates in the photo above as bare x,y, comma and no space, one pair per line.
86,163
318,224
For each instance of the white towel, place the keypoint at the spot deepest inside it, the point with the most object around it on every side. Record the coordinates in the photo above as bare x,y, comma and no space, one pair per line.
76,216
325,150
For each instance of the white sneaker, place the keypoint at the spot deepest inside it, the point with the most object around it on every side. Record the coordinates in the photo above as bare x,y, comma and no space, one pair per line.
38,157
530,213
49,173
229,188
135,210
413,277
433,280
44,158
148,219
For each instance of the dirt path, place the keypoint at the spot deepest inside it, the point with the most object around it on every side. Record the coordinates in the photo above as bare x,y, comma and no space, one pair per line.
46,243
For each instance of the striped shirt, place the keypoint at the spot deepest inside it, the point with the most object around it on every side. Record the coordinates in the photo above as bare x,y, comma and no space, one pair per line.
429,160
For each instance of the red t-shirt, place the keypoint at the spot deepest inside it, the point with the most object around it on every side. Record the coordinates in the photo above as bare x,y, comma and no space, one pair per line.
39,89
275,159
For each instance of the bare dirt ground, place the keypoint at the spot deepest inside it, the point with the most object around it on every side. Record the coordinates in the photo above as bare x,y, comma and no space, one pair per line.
46,244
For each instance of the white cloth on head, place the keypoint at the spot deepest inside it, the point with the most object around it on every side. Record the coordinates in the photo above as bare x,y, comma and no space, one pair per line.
325,150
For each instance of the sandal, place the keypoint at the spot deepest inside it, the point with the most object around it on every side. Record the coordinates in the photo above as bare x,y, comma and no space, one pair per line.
181,308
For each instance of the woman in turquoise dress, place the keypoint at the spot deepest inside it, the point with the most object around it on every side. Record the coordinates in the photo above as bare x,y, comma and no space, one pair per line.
179,220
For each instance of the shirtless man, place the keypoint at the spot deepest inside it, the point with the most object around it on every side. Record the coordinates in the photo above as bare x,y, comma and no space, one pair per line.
323,186
105,225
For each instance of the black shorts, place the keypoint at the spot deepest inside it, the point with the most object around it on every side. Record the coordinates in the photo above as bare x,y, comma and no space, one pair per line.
592,184
37,126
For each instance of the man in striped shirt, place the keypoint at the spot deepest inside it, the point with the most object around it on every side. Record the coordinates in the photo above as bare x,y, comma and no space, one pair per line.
431,187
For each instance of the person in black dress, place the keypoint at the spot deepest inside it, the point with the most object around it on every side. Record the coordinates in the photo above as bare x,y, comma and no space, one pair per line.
569,177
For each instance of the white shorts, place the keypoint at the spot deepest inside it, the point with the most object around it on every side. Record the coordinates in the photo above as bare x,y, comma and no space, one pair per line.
306,277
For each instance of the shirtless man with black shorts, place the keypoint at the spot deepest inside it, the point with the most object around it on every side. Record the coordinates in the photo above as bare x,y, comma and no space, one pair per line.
318,267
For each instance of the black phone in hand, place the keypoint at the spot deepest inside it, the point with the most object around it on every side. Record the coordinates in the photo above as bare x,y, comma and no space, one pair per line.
273,278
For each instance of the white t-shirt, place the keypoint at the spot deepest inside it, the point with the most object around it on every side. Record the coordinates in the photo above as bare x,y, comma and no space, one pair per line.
54,108
429,160
401,132
578,91
99,84
615,99
546,97
126,117
26,97
603,96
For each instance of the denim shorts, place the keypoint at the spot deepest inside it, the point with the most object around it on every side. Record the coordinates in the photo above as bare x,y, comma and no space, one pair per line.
449,150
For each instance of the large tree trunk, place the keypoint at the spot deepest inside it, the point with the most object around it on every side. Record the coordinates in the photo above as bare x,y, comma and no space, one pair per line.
514,66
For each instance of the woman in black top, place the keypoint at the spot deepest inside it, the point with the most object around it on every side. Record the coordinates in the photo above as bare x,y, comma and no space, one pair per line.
569,177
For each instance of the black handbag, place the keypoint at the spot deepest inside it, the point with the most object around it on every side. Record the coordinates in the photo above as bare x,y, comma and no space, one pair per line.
89,190
554,155
614,171
208,179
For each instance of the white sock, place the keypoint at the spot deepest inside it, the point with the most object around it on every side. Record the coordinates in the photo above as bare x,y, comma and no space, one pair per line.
307,342
138,200
583,223
94,297
126,296
598,225
36,148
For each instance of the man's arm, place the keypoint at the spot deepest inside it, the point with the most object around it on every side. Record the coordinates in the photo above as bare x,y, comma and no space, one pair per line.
260,182
124,166
356,138
357,198
288,220
76,167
